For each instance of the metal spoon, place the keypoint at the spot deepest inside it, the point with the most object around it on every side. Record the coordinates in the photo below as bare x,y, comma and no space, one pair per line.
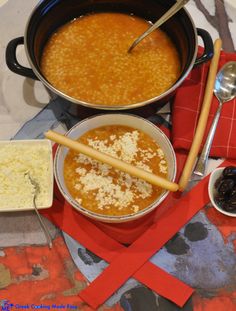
174,9
36,192
225,90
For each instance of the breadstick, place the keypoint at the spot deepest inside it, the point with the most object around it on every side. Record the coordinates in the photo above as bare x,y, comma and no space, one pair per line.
202,121
100,156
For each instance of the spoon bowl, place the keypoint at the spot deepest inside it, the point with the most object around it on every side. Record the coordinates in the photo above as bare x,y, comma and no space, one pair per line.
225,84
224,90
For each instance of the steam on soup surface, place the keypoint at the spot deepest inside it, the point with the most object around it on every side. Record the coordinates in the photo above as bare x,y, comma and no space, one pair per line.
87,59
104,190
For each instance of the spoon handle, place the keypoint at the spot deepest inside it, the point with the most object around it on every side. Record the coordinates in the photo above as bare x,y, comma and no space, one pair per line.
202,160
175,8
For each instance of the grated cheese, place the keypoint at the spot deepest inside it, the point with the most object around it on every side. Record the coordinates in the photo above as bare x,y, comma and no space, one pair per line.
16,160
163,166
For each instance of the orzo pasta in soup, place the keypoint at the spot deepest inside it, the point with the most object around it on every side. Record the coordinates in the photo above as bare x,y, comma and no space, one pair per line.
104,190
87,59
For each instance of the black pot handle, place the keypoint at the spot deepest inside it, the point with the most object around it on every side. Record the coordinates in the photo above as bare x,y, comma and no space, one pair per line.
12,61
208,47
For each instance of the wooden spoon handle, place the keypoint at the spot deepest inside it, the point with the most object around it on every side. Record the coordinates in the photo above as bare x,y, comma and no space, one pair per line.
202,122
102,157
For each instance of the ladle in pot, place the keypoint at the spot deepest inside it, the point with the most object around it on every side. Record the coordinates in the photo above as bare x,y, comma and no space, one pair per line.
174,9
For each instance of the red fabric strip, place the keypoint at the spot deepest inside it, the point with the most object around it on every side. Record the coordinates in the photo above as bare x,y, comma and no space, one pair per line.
134,257
91,237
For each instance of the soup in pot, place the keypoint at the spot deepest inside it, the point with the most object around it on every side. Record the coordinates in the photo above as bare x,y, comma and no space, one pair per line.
102,189
87,59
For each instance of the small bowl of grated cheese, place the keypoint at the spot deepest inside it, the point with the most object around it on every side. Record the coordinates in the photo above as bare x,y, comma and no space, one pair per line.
102,192
18,160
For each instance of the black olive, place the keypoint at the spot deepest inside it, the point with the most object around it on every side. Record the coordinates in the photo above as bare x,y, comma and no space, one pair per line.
226,186
229,172
233,192
219,198
226,189
218,181
232,199
228,206
219,201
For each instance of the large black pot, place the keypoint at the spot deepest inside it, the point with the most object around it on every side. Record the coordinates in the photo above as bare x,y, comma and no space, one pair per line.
51,14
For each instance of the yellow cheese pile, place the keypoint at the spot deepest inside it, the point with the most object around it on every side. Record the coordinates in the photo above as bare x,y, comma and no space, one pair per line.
16,160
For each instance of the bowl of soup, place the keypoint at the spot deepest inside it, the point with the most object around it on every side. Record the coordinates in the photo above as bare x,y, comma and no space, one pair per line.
102,192
79,50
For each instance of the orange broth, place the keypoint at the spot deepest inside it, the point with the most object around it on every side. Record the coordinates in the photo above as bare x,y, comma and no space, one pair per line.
104,190
87,59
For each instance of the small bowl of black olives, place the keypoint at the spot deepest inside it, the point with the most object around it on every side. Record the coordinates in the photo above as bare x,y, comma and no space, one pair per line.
222,190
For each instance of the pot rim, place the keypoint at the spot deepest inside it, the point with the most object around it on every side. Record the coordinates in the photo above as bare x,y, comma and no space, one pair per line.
109,107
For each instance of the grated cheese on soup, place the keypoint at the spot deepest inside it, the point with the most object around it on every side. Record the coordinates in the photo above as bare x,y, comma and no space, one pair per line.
101,188
17,160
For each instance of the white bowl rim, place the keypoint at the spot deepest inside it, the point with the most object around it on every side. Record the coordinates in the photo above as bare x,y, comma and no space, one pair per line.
211,189
123,218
